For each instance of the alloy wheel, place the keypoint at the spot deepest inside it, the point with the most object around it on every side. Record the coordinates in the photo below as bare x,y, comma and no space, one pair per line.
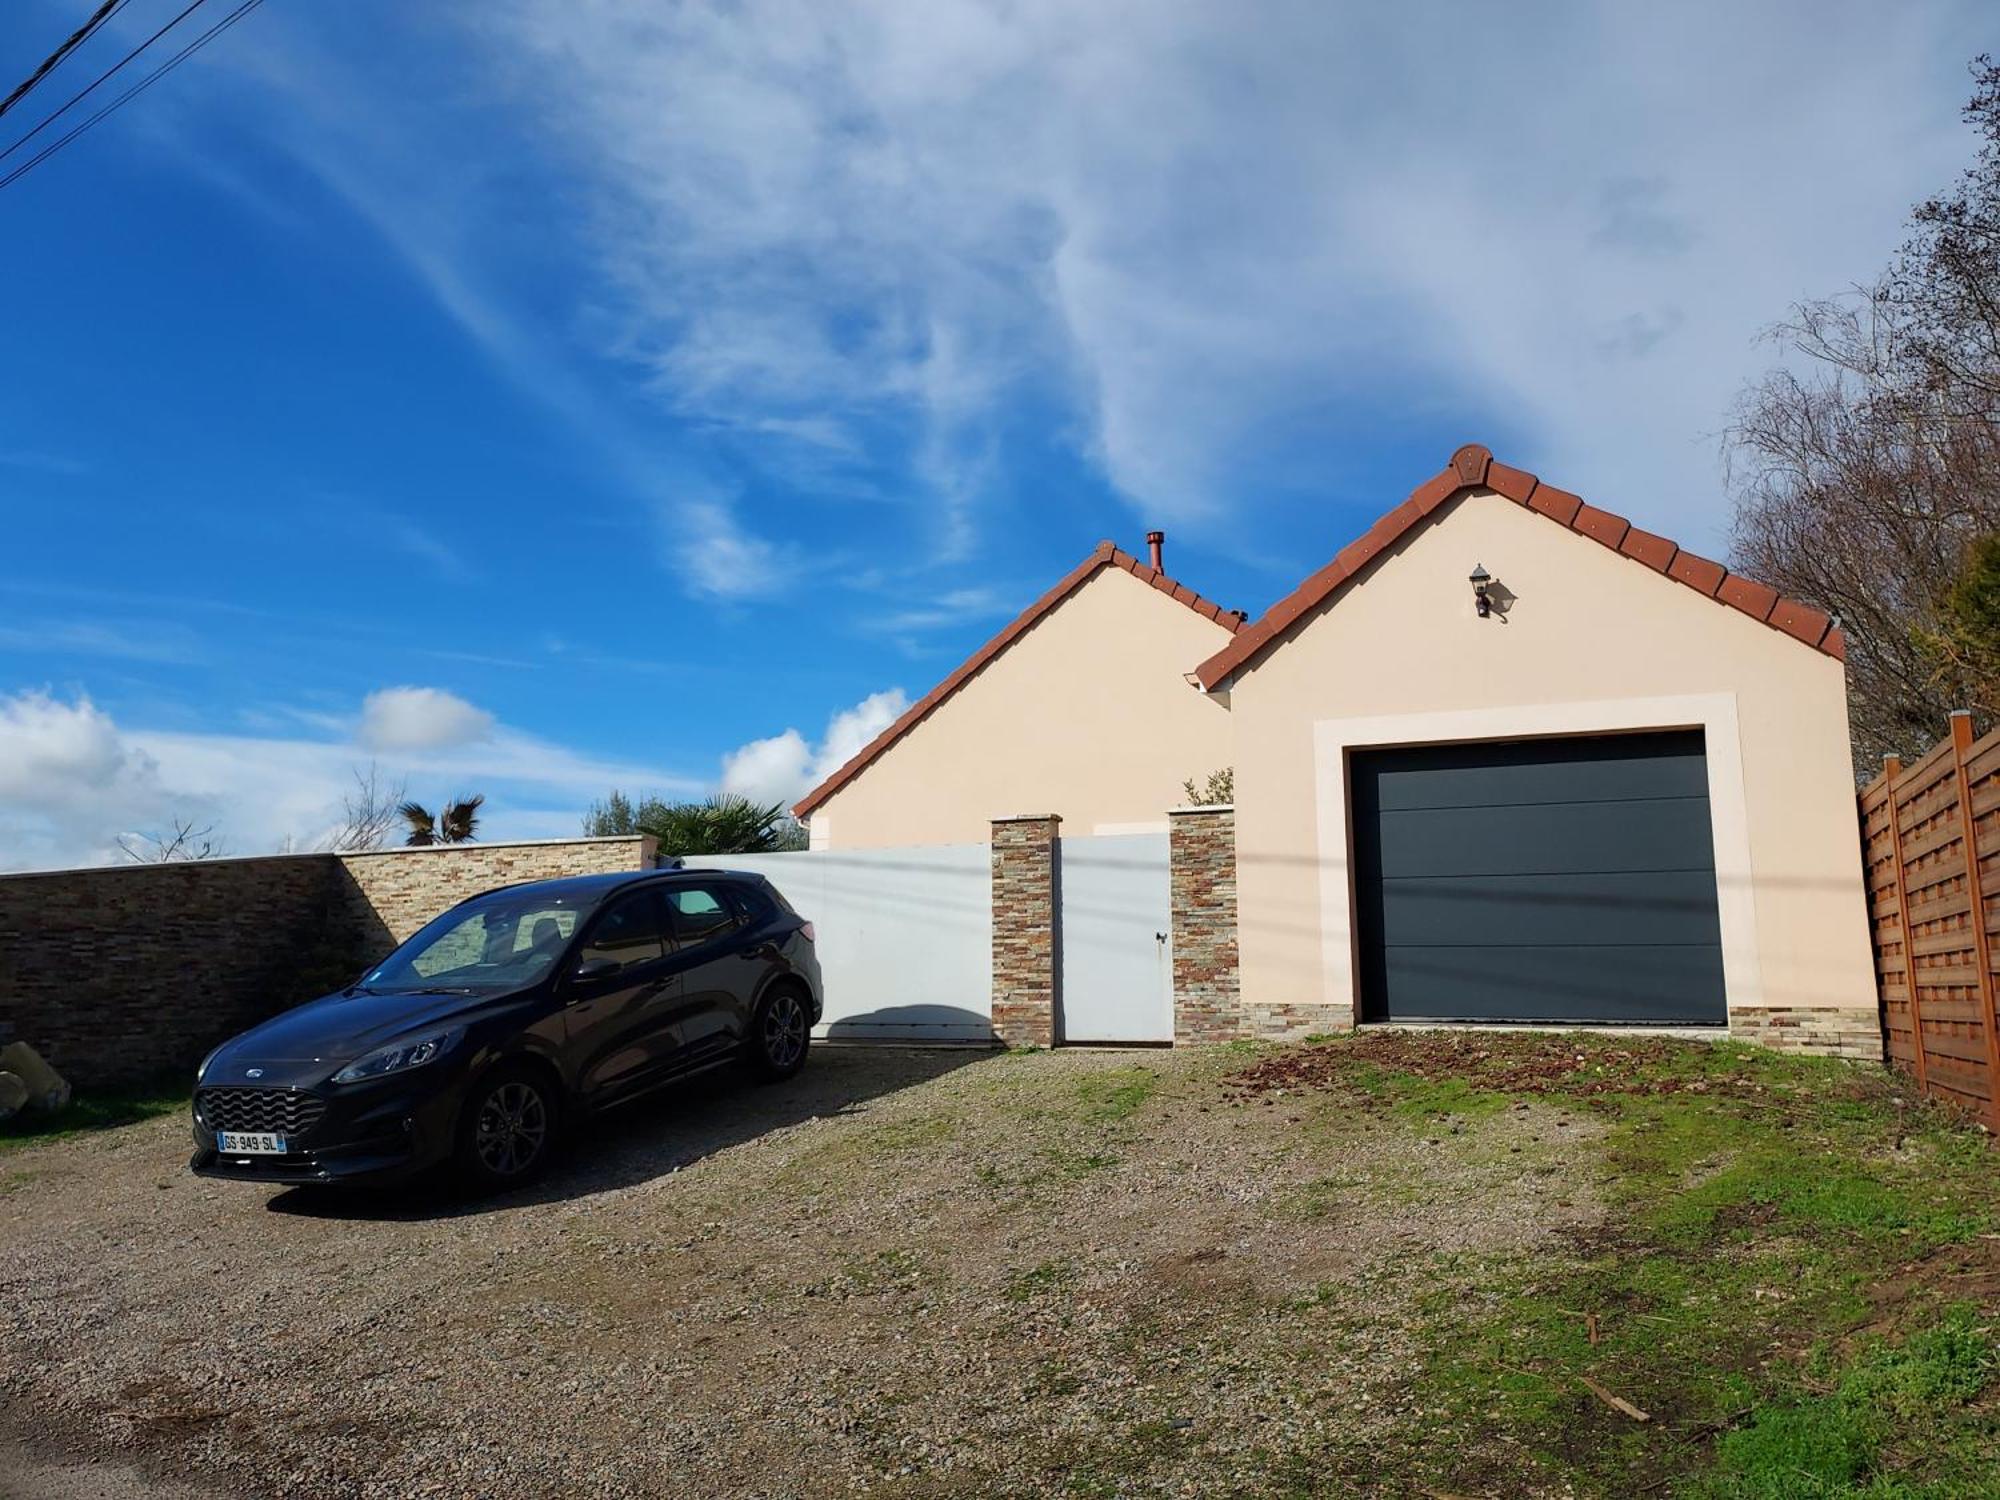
513,1126
784,1030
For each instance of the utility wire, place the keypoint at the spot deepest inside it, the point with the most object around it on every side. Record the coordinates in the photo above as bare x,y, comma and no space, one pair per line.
76,39
138,88
104,77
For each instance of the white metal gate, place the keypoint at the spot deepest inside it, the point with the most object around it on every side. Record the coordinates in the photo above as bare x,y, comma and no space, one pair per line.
904,935
1117,952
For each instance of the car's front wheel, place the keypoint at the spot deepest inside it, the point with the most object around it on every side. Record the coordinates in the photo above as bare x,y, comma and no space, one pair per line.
508,1130
781,1034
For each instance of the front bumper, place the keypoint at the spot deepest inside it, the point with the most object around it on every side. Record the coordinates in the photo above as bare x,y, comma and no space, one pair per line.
376,1133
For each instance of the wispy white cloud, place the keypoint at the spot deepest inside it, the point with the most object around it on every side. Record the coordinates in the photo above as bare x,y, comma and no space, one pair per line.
157,642
37,462
703,541
1204,233
1214,250
947,610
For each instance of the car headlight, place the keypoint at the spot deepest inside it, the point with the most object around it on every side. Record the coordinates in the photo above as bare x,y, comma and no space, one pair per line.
398,1058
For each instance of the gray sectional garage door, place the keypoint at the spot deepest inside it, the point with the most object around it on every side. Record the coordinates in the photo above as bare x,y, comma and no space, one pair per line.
1568,880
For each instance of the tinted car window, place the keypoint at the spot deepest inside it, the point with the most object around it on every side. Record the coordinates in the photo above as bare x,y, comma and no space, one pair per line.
493,942
629,932
700,913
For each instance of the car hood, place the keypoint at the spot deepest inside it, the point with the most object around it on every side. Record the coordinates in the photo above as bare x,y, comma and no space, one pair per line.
340,1028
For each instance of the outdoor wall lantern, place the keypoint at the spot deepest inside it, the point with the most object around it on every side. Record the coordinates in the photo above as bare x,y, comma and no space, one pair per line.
1481,582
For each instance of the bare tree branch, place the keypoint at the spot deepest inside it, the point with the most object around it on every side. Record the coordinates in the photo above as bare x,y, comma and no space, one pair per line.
1870,482
367,813
184,842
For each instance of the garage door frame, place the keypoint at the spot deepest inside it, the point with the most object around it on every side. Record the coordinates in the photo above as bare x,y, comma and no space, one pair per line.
1713,713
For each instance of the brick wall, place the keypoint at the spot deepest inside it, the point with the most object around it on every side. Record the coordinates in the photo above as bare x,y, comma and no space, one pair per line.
123,973
1024,930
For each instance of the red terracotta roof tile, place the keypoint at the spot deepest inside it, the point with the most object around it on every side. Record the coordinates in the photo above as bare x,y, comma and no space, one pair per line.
1600,525
1802,620
1557,505
1656,552
1515,484
1473,467
1697,572
1104,555
1756,600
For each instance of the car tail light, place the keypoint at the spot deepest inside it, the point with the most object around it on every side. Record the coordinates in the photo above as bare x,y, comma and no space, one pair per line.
806,930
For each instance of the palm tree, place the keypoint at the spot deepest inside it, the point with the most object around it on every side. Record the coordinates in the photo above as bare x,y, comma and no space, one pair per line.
455,825
725,824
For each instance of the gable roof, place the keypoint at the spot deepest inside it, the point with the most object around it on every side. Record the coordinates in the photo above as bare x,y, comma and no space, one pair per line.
1474,467
1105,555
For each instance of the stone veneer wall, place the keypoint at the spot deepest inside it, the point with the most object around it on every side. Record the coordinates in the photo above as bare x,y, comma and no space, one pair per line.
120,974
1209,1005
1024,930
393,892
1821,1030
1202,878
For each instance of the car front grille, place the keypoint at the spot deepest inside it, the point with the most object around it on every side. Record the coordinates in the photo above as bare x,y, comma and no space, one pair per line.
280,1111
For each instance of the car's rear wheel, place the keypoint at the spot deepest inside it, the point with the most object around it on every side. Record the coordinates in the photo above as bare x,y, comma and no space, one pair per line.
780,1035
508,1131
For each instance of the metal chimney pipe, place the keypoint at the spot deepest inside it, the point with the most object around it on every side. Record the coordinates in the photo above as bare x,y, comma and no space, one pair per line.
1156,540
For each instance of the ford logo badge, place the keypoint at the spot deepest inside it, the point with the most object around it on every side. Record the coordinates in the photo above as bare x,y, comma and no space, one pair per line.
253,1072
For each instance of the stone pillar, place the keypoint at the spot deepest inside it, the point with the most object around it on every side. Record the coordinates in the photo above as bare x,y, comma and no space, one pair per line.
1024,929
1208,1002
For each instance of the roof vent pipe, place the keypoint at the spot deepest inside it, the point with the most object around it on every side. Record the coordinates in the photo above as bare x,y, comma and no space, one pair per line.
1156,540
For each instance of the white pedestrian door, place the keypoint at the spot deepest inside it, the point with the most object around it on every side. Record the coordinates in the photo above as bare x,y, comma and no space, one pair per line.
1117,959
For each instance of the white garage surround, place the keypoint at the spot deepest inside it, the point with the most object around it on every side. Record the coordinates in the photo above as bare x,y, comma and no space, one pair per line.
1712,713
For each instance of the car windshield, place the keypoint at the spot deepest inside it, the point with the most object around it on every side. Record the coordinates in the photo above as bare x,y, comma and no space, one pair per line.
499,942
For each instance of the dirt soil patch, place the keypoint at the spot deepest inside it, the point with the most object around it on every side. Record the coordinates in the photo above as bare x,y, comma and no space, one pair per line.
1571,1064
906,1273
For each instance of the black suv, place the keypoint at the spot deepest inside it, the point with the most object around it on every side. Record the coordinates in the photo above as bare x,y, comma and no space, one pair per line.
474,1040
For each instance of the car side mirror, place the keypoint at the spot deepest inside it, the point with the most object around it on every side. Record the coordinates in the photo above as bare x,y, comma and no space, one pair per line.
596,968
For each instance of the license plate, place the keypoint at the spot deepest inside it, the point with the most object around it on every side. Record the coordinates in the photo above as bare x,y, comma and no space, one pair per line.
251,1143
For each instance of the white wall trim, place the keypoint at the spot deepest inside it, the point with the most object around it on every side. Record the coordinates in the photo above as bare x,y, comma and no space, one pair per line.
1712,713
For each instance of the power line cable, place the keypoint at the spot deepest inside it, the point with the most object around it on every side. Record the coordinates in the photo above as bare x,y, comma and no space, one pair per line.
138,88
81,94
76,39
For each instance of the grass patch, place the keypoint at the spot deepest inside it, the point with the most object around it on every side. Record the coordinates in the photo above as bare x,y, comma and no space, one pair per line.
1112,1098
1899,1421
1047,1279
1757,1206
103,1110
896,1137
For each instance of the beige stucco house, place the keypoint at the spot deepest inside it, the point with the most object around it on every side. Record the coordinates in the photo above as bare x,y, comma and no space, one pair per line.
1081,703
1609,783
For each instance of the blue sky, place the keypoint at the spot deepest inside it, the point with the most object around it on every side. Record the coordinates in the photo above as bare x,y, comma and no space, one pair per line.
544,395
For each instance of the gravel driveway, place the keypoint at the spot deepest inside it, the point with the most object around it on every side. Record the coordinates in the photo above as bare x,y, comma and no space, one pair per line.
907,1272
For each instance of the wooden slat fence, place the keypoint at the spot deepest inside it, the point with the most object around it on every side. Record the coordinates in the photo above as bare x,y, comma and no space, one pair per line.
1930,838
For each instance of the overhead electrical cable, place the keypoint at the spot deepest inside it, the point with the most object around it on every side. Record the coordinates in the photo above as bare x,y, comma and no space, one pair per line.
76,39
83,93
138,88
